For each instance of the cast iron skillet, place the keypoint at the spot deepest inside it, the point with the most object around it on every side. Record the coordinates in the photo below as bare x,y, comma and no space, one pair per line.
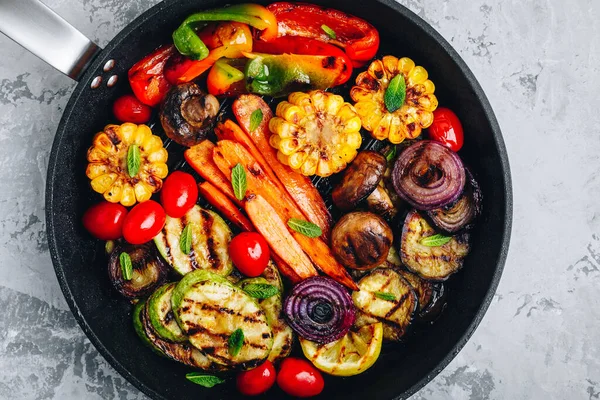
402,369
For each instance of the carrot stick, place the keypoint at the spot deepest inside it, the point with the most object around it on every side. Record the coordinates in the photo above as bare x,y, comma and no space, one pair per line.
275,232
285,269
299,187
228,154
229,130
200,158
225,206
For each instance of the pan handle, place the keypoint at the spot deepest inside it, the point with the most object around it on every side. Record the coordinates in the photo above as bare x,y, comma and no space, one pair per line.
40,30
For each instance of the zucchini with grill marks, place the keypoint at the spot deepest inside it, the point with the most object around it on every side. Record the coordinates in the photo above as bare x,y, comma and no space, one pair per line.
209,309
434,263
384,296
161,314
182,352
138,326
210,238
283,335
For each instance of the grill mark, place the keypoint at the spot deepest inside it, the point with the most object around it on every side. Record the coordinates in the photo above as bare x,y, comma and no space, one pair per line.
192,254
207,224
254,319
397,306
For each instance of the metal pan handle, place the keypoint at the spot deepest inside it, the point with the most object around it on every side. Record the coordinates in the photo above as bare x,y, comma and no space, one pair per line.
40,30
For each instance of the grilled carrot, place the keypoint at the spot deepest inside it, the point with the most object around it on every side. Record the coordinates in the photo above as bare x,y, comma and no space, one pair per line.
275,232
299,187
200,158
228,154
225,206
285,269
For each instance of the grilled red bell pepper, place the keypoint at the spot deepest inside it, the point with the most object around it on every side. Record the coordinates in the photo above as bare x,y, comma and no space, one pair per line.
305,46
227,39
226,77
147,77
359,38
190,44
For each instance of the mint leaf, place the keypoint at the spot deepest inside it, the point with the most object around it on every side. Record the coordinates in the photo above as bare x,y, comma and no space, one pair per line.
126,266
185,240
236,340
330,32
385,296
255,119
261,290
238,181
134,160
201,379
304,227
435,240
395,94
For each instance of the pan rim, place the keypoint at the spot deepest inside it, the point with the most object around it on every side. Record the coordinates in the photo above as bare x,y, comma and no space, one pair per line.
397,8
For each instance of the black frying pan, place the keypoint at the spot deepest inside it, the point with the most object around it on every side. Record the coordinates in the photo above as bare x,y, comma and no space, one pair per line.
105,317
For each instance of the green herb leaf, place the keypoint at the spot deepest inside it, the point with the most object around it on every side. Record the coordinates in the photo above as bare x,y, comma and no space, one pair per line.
392,153
385,296
126,266
435,240
238,181
201,379
304,227
330,32
261,290
109,246
134,160
236,340
395,94
255,119
185,240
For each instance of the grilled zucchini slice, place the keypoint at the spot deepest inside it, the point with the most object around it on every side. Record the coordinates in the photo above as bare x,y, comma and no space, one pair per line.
184,353
210,238
138,326
283,335
432,263
384,296
209,309
161,314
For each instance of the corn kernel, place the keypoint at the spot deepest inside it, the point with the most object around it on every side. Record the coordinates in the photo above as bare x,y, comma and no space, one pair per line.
128,195
158,156
288,146
390,63
142,192
406,65
127,131
376,69
151,144
429,86
96,155
115,192
94,170
296,160
417,75
102,183
354,140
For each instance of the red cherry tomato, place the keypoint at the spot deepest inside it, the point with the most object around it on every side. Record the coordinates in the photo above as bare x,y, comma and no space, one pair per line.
299,378
178,194
257,380
105,220
128,108
249,252
446,129
143,222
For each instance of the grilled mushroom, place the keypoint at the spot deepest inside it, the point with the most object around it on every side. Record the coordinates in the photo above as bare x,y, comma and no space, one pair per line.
361,240
188,114
363,180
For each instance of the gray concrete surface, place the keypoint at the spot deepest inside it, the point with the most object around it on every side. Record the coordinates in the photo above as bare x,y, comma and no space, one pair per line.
538,62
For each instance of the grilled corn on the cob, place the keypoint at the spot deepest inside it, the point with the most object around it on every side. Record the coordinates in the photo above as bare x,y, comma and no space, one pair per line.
108,169
414,115
316,132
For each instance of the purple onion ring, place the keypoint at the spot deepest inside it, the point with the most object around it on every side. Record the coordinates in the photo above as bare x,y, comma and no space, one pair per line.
320,310
428,175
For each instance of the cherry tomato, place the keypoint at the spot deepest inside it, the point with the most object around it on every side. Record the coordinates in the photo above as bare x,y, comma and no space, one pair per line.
105,220
178,194
143,222
249,252
446,129
128,108
257,380
299,378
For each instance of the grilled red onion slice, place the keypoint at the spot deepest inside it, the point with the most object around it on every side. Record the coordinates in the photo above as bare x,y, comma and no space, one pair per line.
428,175
460,214
319,309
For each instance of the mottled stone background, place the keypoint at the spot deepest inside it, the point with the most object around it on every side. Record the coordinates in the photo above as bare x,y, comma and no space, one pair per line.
537,60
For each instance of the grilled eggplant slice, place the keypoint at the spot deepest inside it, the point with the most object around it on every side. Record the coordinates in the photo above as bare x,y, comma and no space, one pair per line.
283,335
138,326
210,238
149,270
384,296
184,353
209,309
431,295
432,263
161,314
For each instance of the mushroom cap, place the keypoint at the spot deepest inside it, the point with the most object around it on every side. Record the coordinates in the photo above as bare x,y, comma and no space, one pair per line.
360,179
